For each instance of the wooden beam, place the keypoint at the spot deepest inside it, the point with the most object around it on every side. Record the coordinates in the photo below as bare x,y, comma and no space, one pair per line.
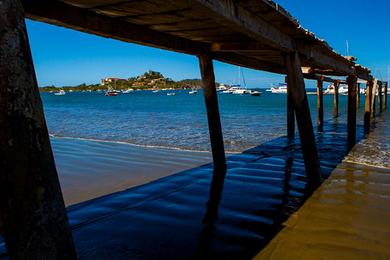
214,121
373,97
231,13
351,80
336,85
368,106
320,104
302,113
32,209
314,76
380,97
290,112
65,15
239,46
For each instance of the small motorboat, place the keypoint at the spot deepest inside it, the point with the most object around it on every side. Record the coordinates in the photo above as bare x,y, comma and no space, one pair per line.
193,92
255,93
111,94
171,94
60,93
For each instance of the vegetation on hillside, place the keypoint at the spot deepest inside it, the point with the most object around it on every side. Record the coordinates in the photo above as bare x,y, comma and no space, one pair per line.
150,80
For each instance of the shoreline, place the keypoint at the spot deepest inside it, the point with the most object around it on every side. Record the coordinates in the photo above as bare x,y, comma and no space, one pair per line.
89,169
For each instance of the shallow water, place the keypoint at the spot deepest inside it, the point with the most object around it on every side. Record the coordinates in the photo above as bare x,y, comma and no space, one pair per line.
155,119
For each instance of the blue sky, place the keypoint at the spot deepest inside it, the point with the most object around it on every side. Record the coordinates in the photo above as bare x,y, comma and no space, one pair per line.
67,57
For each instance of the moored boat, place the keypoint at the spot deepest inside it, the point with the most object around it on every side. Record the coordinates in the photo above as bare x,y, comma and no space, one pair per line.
60,93
281,88
111,94
255,93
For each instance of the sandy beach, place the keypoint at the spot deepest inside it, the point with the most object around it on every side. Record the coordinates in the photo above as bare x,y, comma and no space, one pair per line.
89,169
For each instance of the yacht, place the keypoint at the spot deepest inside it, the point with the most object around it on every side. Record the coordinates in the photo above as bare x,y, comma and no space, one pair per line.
222,88
280,89
60,93
238,90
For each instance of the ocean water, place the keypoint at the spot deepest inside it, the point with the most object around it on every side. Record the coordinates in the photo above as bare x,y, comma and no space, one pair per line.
152,119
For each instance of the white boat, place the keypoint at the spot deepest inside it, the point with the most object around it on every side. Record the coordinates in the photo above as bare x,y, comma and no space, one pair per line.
127,91
228,91
171,94
343,90
280,89
193,92
255,93
60,93
222,88
155,91
238,90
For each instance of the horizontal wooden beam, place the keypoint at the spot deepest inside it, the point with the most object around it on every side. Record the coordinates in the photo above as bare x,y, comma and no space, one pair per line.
323,78
232,14
61,14
239,46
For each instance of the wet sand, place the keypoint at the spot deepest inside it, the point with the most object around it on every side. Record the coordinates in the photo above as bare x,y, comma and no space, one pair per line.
348,216
89,169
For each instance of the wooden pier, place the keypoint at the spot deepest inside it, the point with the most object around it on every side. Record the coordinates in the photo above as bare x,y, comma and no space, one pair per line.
255,34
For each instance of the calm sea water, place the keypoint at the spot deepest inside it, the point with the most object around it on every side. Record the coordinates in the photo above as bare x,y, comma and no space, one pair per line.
155,119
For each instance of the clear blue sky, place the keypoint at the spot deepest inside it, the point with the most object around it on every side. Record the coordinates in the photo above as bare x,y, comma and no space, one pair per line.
67,57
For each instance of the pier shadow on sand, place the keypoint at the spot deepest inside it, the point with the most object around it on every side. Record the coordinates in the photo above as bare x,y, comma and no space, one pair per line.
195,214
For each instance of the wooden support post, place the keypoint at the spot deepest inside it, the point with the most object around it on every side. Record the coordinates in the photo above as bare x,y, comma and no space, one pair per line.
386,85
320,104
373,99
367,107
351,80
336,99
290,113
31,205
380,97
358,96
214,121
302,113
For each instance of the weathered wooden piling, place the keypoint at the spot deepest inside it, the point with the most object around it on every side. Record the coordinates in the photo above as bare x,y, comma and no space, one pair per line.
373,99
351,81
214,121
368,107
302,113
336,99
380,97
290,112
32,209
320,104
